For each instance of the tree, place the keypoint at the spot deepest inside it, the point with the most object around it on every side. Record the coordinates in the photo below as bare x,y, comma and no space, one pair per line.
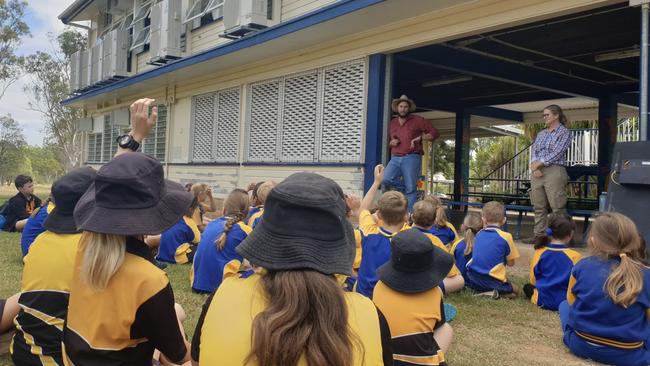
45,164
11,144
12,30
49,85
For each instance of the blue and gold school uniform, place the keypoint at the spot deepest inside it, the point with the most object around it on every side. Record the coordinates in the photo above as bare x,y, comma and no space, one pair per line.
223,332
460,259
43,300
34,227
595,327
255,218
550,269
447,234
375,251
123,324
212,265
493,248
412,319
178,243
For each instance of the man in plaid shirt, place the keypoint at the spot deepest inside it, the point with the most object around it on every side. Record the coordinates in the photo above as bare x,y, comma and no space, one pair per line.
549,177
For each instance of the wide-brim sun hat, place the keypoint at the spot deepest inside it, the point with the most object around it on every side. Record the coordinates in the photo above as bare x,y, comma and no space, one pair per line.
403,98
131,197
416,265
303,227
66,192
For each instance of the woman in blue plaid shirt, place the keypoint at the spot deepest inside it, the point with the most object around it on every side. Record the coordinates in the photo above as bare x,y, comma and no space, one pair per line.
548,175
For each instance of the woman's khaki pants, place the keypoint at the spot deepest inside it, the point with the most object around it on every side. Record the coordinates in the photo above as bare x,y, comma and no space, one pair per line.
548,191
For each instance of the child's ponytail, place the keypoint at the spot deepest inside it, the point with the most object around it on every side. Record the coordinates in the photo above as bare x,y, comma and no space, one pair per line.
235,208
472,224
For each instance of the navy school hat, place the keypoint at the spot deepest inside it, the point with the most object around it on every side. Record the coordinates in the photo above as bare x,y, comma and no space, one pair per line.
303,227
66,192
130,196
416,265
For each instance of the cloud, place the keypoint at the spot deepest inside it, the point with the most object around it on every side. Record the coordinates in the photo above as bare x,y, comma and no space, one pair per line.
42,18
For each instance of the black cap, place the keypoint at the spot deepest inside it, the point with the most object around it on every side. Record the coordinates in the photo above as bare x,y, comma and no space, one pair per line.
66,192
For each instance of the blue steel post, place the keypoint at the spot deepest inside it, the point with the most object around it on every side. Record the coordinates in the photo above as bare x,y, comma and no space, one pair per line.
461,156
607,119
374,117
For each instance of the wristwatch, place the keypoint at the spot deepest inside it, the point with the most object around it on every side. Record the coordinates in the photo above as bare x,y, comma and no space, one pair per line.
128,142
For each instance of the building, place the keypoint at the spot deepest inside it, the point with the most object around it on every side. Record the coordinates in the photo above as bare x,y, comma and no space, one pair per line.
256,89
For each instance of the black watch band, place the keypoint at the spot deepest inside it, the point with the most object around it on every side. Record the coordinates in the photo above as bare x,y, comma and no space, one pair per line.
128,142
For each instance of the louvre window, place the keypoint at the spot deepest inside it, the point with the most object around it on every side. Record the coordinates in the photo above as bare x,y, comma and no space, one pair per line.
154,144
308,118
215,133
141,24
202,8
94,148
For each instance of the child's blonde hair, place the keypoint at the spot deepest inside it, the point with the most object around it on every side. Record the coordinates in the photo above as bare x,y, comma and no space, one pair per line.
236,208
392,206
472,224
493,212
441,216
615,235
263,190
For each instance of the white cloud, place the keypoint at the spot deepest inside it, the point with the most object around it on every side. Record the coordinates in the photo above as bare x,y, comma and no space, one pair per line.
42,17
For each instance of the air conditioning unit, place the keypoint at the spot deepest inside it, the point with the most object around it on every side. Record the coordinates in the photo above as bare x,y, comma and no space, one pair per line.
115,53
165,39
75,70
85,66
241,17
96,59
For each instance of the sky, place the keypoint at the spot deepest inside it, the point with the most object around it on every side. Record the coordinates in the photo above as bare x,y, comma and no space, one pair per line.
42,18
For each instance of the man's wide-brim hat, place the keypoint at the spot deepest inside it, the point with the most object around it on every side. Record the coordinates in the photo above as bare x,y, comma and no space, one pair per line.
130,196
403,98
416,265
303,227
66,192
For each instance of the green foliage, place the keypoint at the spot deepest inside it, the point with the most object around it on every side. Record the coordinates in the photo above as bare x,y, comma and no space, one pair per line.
45,164
11,144
12,30
48,86
443,161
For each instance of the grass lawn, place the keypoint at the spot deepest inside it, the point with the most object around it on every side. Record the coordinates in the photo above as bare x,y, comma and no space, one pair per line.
487,332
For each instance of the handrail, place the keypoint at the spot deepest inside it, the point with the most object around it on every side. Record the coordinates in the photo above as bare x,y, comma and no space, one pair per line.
507,161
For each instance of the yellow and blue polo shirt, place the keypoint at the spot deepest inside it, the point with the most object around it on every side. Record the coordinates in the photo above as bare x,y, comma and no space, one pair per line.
176,242
412,319
550,269
34,227
460,259
493,248
593,315
255,218
211,264
375,251
447,234
223,331
44,296
357,253
453,272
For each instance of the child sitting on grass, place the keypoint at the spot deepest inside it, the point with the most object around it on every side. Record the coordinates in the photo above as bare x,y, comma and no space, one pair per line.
261,193
442,228
551,265
409,296
462,248
178,243
493,250
216,258
606,315
375,241
424,216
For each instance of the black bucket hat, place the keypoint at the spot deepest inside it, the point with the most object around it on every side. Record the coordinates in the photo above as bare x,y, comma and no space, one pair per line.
131,197
416,265
303,227
66,192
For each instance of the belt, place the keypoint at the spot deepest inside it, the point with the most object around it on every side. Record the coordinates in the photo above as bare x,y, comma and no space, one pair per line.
609,342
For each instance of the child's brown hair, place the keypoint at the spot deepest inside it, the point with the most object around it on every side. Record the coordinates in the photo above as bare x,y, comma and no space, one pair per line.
560,226
441,216
472,224
235,207
493,212
263,191
614,235
392,206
